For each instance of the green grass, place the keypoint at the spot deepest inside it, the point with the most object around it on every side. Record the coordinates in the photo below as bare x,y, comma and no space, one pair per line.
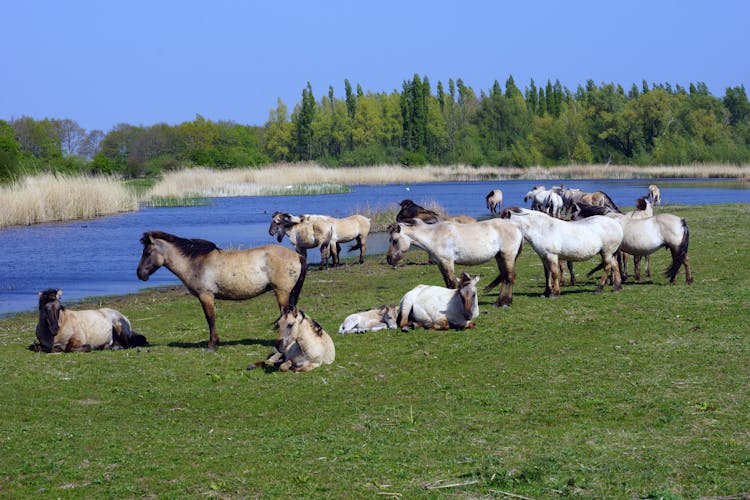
638,394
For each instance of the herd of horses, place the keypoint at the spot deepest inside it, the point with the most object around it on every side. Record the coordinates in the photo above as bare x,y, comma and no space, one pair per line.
562,225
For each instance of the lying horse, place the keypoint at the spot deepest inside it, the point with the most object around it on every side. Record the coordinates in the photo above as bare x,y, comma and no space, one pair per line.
211,273
63,330
302,344
449,243
553,239
380,318
642,237
440,308
303,234
494,200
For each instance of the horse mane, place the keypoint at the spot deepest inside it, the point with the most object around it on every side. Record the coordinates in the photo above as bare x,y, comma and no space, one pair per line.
506,212
188,247
586,210
410,211
641,203
47,296
611,203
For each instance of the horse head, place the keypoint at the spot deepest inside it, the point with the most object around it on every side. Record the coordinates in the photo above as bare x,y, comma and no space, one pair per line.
398,243
388,315
279,221
467,288
49,314
151,258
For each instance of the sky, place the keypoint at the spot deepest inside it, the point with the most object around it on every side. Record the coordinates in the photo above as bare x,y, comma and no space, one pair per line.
103,63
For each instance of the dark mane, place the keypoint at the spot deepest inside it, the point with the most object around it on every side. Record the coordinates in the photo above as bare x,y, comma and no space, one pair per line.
188,247
586,210
47,296
641,204
410,210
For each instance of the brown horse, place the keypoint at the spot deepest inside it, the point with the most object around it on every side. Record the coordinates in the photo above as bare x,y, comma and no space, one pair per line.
353,228
63,330
410,211
494,200
211,273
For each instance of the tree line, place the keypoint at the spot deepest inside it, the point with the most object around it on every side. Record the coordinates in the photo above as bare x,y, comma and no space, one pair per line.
540,125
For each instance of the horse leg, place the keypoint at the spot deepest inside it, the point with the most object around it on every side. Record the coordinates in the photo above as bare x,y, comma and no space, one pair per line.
362,247
688,272
449,276
554,269
507,276
648,266
547,287
207,302
637,267
572,274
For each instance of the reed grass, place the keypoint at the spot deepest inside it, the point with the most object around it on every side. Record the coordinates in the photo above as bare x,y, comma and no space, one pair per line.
56,197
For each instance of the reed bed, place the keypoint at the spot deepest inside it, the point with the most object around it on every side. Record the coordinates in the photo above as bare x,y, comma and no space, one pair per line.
55,197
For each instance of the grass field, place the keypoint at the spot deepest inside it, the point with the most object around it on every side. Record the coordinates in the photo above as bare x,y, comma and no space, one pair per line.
640,394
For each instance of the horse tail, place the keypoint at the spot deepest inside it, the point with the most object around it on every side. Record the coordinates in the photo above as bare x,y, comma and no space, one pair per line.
297,288
679,254
597,268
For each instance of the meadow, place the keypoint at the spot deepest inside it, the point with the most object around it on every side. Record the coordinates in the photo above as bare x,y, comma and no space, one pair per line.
637,394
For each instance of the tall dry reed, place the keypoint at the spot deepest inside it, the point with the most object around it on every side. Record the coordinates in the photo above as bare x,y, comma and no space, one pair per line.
262,181
53,197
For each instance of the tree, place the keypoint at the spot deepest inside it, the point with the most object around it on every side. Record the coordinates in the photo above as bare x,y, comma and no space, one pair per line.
10,151
303,120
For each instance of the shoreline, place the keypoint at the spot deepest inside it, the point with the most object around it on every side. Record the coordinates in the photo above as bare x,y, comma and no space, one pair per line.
58,198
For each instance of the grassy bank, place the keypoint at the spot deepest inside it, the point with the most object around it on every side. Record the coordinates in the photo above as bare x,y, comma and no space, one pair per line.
631,395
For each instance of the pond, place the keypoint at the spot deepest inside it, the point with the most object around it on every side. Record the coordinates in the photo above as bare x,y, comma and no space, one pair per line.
98,257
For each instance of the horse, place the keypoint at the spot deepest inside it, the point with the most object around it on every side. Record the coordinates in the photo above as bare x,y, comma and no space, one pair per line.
642,237
494,200
211,273
355,227
63,330
410,211
449,243
439,308
304,234
302,344
643,208
372,320
655,194
545,200
553,239
573,196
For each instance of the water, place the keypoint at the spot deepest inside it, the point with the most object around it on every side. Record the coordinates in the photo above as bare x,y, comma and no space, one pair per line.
99,257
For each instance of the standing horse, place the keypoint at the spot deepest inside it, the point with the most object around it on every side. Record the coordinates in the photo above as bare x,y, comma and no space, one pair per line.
644,208
494,200
600,198
440,308
449,243
410,211
304,234
62,330
302,344
553,239
645,236
211,273
545,200
355,227
654,194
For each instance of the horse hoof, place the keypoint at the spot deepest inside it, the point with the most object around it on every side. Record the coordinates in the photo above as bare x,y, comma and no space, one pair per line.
598,291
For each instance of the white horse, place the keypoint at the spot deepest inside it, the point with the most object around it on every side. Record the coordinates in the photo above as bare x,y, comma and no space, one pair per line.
64,330
545,200
440,308
449,243
553,239
301,345
655,194
642,237
373,320
644,208
494,200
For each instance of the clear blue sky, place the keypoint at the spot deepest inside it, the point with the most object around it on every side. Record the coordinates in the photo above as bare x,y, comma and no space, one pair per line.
101,63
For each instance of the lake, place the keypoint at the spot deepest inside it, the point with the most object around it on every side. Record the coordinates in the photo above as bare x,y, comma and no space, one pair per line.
98,257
